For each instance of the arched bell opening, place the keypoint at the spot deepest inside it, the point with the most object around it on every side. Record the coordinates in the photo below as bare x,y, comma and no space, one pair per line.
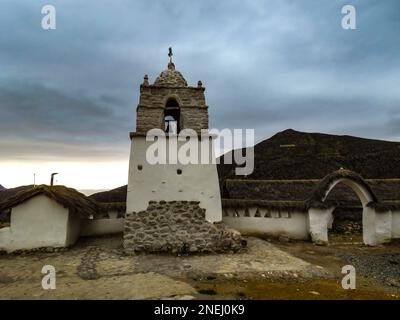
172,115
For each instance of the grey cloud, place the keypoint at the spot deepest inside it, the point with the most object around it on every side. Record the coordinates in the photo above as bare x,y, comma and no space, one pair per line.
267,65
34,118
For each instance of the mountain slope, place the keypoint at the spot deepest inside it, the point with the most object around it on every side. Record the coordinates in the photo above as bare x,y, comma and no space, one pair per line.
114,195
297,155
291,155
8,193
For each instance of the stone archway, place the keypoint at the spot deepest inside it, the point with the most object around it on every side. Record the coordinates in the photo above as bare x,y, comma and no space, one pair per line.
345,225
320,212
360,187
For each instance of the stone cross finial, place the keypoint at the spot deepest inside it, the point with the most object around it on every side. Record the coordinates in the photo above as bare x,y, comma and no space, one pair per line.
170,54
146,80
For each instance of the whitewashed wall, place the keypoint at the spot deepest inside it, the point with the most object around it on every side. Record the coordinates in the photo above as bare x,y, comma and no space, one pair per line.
73,229
5,234
38,222
319,221
377,226
162,182
266,222
396,224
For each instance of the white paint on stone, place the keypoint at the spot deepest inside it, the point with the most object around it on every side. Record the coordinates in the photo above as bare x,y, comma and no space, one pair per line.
39,222
396,224
368,222
197,182
383,227
318,222
294,227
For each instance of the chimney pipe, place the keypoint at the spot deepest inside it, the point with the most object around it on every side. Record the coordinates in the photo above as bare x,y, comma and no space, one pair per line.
52,178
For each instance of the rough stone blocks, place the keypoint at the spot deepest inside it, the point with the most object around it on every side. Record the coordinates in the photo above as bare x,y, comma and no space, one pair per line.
177,227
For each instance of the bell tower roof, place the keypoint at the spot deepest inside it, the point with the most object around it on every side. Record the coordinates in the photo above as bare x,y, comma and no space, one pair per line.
170,78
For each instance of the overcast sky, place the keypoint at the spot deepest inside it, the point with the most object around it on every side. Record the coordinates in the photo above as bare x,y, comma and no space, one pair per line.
68,97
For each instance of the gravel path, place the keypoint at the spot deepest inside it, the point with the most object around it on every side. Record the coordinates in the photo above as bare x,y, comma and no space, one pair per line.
383,267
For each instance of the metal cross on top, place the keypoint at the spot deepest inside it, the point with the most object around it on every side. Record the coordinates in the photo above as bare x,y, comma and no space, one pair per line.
170,54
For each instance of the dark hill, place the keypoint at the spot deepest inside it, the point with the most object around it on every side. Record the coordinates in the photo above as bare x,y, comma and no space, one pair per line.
298,155
290,155
2,188
114,195
8,193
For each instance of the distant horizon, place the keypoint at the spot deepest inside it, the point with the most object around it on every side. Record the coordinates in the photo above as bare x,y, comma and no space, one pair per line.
91,190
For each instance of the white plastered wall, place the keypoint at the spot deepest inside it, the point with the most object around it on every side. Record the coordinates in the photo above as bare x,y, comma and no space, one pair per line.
197,182
318,222
37,222
383,227
74,228
290,224
396,224
377,227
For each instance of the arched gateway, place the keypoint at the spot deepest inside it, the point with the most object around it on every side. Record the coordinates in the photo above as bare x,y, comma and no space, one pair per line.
376,228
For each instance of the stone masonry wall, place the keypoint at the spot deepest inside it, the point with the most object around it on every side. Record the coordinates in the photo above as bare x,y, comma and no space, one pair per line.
177,227
150,111
194,118
149,118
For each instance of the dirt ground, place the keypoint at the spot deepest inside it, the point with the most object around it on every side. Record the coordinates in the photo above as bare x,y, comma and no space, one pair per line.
96,268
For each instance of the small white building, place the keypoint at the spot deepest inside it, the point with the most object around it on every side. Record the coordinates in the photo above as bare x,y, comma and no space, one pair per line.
45,217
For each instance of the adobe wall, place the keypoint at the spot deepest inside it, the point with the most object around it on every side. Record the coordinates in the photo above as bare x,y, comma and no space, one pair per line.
264,222
37,222
177,227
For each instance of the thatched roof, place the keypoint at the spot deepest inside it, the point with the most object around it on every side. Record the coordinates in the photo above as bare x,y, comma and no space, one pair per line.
385,205
385,189
69,198
299,194
267,204
274,190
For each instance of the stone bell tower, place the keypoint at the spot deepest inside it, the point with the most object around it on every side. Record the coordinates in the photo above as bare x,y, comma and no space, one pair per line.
172,106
